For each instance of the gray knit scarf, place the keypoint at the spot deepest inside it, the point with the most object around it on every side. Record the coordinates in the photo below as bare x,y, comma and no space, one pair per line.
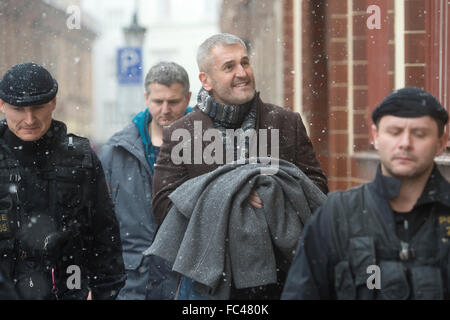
229,117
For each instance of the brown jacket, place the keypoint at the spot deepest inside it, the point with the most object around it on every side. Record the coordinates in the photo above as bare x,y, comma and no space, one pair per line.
294,146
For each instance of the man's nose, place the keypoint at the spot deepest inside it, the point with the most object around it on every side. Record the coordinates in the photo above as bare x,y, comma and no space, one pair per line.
165,108
241,72
29,116
405,140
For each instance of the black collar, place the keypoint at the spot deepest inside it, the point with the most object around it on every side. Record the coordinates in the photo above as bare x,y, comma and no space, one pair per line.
29,153
437,188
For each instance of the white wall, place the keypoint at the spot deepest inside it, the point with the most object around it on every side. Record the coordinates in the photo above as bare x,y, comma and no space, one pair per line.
175,29
110,17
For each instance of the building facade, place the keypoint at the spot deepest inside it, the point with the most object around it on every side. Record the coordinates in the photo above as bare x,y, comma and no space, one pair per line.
38,31
340,59
174,30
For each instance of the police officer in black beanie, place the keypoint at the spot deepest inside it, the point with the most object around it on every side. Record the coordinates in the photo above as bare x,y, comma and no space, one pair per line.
388,239
59,238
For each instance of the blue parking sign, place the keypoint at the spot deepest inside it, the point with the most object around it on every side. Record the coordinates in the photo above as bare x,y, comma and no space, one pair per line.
129,65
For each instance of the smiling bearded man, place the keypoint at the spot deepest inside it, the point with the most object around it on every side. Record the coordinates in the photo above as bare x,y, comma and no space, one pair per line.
228,101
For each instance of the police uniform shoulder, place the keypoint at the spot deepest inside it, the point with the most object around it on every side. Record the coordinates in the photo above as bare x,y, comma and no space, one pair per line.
348,192
77,139
344,197
335,212
75,142
76,136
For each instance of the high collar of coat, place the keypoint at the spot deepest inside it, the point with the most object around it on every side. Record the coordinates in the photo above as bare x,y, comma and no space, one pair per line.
437,188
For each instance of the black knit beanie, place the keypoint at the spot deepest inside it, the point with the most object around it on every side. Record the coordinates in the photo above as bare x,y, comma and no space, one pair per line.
410,102
27,84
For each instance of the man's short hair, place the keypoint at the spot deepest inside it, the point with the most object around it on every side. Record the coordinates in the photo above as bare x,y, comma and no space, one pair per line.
221,39
167,73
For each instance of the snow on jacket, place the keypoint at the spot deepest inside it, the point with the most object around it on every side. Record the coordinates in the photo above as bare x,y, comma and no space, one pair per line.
128,174
212,229
294,146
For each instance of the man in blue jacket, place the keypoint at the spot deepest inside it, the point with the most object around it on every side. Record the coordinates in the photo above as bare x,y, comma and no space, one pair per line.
128,159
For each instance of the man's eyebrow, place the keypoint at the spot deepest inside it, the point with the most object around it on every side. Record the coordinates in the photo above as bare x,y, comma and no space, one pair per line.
415,128
420,128
227,62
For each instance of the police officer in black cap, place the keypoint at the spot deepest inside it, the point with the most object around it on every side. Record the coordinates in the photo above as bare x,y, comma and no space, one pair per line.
59,238
388,239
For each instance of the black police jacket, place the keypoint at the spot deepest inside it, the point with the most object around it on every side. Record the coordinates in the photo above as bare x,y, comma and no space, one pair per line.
59,237
353,248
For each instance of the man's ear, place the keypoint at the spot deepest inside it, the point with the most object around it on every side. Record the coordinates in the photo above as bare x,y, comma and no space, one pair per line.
147,97
189,96
53,102
443,142
2,106
205,80
374,131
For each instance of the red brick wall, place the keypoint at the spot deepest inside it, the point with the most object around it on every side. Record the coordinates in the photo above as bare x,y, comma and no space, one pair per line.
35,31
288,34
415,43
338,160
329,105
373,79
380,53
315,76
260,24
380,70
373,65
436,59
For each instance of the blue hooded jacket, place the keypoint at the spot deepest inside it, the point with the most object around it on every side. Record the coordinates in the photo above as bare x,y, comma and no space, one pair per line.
141,120
128,159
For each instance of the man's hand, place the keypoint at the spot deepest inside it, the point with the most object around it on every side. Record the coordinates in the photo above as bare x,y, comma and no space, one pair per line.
255,201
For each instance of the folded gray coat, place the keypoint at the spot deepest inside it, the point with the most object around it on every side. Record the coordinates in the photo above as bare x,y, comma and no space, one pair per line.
212,229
